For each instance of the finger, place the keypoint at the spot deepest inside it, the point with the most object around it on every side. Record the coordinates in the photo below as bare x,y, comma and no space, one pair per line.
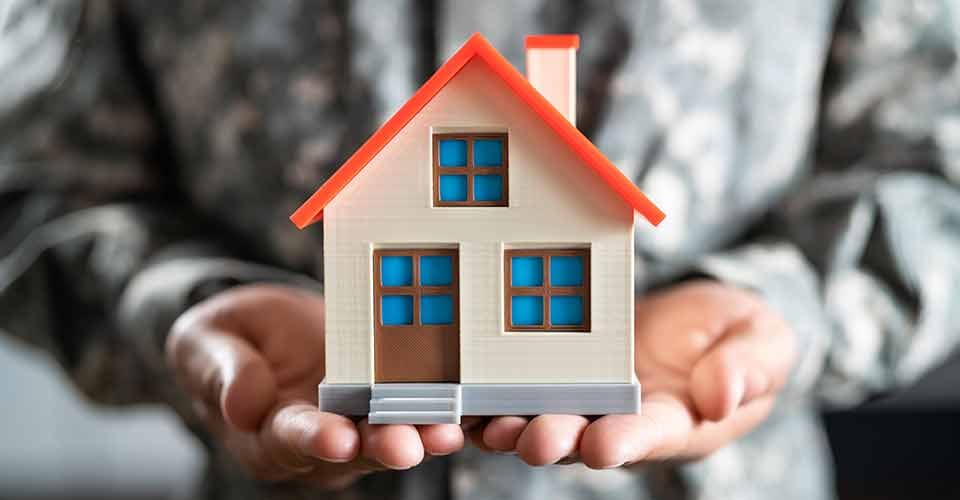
501,433
693,315
298,436
710,436
475,435
661,431
468,423
750,361
258,312
395,446
718,385
442,439
550,438
224,371
211,417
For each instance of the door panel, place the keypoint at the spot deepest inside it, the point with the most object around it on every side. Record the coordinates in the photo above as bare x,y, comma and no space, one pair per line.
416,315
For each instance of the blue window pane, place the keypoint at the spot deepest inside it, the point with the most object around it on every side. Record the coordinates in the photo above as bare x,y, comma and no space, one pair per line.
566,270
566,310
488,152
436,309
453,153
488,187
526,271
526,311
396,310
396,270
436,270
453,187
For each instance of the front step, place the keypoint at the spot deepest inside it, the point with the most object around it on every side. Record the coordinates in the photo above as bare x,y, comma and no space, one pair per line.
415,404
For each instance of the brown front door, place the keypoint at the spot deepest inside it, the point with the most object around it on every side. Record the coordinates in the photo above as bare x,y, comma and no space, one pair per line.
416,302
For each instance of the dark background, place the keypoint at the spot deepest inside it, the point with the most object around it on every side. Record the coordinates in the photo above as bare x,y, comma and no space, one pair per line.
903,447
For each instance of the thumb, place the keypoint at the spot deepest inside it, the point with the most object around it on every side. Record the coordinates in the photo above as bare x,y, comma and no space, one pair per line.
752,359
226,372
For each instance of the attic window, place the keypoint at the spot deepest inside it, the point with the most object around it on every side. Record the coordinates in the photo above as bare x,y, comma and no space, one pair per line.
470,170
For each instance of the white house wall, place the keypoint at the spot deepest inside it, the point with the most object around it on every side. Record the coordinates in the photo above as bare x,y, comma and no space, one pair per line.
554,198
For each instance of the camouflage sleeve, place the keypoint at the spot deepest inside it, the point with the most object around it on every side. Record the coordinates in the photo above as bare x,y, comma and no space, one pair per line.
862,257
97,252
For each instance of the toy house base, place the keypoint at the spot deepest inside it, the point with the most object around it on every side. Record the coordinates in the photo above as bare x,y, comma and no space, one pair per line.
441,403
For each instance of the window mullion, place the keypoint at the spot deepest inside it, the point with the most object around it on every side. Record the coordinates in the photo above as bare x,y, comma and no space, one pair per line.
546,292
469,141
487,170
470,165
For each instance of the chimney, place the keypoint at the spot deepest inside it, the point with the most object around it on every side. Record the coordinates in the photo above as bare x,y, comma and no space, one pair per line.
552,70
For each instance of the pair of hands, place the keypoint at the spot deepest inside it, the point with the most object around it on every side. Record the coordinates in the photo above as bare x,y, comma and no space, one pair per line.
710,359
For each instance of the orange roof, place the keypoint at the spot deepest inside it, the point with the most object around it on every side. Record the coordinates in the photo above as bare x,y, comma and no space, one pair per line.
477,46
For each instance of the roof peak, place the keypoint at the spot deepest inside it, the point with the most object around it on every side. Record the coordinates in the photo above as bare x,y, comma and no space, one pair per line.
476,46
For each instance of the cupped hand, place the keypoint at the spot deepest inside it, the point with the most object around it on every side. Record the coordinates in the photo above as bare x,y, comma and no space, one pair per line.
251,359
710,358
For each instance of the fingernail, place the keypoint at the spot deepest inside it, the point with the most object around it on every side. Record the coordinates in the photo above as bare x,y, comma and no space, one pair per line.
737,391
399,467
337,458
340,450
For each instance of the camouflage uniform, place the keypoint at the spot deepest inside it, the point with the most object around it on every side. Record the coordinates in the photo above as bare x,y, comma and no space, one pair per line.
150,153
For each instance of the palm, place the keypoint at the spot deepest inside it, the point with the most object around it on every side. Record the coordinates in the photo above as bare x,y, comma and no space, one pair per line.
253,356
659,371
709,355
292,344
709,359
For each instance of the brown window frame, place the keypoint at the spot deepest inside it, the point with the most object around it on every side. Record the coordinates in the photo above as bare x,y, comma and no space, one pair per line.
545,290
415,289
470,170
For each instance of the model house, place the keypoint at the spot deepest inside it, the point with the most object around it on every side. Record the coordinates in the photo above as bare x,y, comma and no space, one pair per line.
479,252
